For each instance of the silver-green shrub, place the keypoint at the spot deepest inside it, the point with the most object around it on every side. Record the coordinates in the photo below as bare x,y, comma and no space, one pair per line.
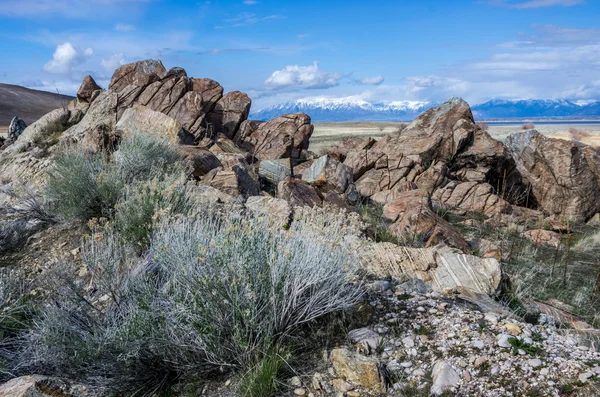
210,295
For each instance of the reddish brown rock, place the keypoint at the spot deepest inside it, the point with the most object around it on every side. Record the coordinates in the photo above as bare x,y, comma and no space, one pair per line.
229,113
201,160
210,91
140,74
544,237
414,219
298,193
273,140
87,89
563,175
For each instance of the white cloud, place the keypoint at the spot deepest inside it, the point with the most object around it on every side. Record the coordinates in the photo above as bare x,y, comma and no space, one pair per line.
111,63
123,27
375,80
250,2
297,77
65,58
536,3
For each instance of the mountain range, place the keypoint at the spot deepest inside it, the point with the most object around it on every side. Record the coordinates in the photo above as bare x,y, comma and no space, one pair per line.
352,109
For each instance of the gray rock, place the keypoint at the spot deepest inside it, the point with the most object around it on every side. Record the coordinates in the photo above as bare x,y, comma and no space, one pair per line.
365,335
502,340
444,377
16,128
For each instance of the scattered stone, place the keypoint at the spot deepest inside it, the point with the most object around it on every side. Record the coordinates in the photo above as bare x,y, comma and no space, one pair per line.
444,378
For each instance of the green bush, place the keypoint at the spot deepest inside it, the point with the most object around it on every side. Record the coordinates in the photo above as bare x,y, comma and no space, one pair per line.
82,186
210,295
143,203
141,158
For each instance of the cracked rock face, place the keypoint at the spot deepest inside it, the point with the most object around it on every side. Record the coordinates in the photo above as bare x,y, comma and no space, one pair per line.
564,176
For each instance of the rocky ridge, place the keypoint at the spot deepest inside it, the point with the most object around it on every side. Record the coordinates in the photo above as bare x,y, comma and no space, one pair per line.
442,164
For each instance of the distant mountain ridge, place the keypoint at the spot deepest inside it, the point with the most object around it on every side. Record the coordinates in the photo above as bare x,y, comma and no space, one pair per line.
346,109
26,103
352,109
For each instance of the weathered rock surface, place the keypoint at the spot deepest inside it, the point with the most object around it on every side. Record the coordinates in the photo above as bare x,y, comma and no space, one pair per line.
542,236
413,219
237,180
273,140
441,270
563,175
87,89
298,193
357,369
201,160
139,74
444,378
275,211
145,121
329,175
229,113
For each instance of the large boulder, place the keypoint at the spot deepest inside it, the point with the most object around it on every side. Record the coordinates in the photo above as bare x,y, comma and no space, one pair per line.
281,137
145,121
139,74
563,176
201,160
229,113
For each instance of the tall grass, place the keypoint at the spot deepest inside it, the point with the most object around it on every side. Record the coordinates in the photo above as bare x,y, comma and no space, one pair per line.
210,296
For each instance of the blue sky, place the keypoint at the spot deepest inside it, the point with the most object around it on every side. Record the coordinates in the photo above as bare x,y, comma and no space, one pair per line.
283,50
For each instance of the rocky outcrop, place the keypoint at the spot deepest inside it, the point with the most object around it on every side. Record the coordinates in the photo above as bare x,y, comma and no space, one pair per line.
280,138
442,152
563,175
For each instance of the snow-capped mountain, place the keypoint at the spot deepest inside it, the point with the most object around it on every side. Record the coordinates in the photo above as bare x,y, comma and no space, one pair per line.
346,109
352,109
534,108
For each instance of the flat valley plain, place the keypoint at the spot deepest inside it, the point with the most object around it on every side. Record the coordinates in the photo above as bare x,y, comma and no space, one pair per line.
327,135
